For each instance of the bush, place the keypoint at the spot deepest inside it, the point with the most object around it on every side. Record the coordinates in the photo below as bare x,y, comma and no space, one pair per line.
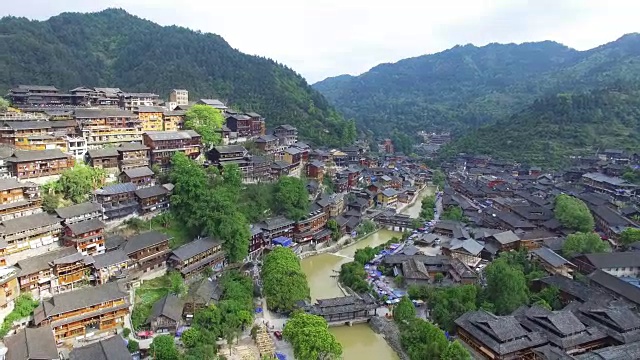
133,346
126,332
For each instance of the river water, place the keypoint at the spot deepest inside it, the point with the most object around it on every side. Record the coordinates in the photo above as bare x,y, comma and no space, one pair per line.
358,341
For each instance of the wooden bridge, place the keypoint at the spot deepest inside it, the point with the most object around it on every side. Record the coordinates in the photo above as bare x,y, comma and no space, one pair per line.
392,220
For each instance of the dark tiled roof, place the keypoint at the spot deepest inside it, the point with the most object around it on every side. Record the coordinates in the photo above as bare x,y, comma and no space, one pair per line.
78,299
28,222
10,183
36,155
614,318
276,222
102,113
204,292
194,248
620,352
550,257
86,226
168,135
506,237
116,189
114,241
144,240
106,152
138,172
73,258
229,149
616,285
38,263
110,258
152,191
78,209
132,147
150,109
32,344
113,348
614,259
502,334
169,306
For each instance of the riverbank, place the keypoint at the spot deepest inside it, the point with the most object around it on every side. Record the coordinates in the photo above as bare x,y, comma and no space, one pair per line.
391,334
347,240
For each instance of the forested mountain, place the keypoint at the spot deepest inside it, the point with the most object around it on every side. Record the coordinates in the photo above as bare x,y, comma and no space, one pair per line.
554,127
470,86
112,48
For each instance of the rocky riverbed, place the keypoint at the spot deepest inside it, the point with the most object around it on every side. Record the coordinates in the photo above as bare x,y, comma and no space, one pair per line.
389,330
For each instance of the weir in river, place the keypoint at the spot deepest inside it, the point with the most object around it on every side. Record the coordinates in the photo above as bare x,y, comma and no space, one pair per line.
358,341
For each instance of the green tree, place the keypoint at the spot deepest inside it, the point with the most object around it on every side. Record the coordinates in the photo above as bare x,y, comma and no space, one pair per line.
550,296
450,303
438,178
291,198
4,104
332,225
453,213
284,283
78,182
206,121
404,310
573,213
126,332
132,345
163,348
190,192
178,286
629,236
202,352
233,230
50,202
506,286
365,255
423,340
438,277
543,304
310,337
456,351
191,337
353,275
583,243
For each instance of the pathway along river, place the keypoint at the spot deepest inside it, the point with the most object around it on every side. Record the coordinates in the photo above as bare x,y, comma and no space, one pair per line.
358,341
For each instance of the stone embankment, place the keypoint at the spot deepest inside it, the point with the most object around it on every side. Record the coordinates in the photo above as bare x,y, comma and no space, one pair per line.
389,330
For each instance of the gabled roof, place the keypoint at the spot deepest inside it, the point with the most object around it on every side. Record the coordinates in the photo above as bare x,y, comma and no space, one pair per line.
106,152
506,237
109,258
144,240
550,257
78,299
78,209
152,191
169,306
11,183
614,259
36,155
131,147
617,286
194,248
34,264
138,172
86,226
102,113
28,222
150,109
168,135
113,348
32,344
116,189
469,245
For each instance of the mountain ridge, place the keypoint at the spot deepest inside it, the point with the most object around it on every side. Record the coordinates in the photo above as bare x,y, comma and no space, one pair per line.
113,48
468,86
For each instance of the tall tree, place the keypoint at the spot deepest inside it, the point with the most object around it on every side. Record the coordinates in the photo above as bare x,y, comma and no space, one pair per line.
190,192
284,283
456,351
573,213
311,339
206,121
506,286
233,230
78,182
629,236
583,243
404,310
163,348
292,198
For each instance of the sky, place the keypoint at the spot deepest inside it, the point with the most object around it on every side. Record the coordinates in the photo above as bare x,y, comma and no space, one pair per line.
323,38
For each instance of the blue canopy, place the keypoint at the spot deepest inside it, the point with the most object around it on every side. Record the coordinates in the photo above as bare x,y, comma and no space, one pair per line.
281,356
282,241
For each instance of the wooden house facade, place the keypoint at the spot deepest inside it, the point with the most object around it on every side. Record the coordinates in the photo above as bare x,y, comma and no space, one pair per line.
117,200
164,144
86,236
192,258
18,199
39,164
148,251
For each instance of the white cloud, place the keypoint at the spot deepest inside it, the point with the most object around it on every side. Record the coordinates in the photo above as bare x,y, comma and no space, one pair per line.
330,37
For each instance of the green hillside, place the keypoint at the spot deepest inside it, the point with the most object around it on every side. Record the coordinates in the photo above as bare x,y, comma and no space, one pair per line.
112,48
468,86
555,127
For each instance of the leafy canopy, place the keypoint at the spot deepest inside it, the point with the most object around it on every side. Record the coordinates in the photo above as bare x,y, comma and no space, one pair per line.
284,283
310,337
573,213
206,121
583,243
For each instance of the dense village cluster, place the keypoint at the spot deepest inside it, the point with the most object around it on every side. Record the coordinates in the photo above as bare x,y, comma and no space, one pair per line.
554,254
82,271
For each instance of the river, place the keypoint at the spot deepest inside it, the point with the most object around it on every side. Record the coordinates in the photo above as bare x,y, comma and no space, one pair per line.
358,341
